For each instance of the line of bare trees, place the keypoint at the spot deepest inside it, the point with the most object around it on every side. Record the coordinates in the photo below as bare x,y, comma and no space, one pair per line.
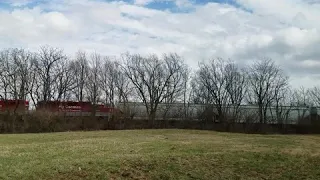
49,74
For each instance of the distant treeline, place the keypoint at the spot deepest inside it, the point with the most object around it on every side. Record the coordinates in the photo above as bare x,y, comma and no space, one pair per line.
49,74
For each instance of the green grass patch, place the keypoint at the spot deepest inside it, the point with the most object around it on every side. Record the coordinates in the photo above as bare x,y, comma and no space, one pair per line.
158,154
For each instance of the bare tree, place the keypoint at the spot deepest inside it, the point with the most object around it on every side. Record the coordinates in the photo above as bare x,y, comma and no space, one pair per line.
222,86
65,81
115,85
5,73
301,100
282,104
199,94
314,94
154,79
22,59
186,93
180,83
44,74
123,86
124,91
92,85
35,89
266,81
236,87
108,77
212,77
15,72
80,69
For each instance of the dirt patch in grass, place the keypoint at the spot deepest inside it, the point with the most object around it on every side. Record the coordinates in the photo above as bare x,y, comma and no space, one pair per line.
130,173
73,175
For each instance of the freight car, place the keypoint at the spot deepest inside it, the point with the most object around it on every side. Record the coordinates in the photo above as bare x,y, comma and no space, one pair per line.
75,108
14,106
247,113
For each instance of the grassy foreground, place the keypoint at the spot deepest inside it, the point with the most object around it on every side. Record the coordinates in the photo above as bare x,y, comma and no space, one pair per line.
158,154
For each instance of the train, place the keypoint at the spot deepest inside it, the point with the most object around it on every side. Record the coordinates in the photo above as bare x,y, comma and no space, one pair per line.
14,106
137,110
65,108
181,111
75,108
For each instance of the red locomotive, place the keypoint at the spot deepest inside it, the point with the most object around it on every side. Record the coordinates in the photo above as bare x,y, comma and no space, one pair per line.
64,108
14,106
73,108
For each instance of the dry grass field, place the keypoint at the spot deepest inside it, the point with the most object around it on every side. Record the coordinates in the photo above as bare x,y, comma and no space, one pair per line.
158,154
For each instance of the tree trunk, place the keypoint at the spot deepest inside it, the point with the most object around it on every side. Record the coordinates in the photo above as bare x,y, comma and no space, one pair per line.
261,114
152,117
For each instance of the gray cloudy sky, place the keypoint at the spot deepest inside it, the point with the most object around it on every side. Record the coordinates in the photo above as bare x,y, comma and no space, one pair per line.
242,30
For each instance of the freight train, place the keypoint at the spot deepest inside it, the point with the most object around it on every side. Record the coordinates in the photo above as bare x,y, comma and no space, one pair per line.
14,106
137,110
65,108
180,111
73,108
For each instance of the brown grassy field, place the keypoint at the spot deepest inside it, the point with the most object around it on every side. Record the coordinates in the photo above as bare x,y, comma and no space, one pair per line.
158,154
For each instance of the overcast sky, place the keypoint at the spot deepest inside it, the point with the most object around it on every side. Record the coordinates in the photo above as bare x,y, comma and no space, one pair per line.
243,30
